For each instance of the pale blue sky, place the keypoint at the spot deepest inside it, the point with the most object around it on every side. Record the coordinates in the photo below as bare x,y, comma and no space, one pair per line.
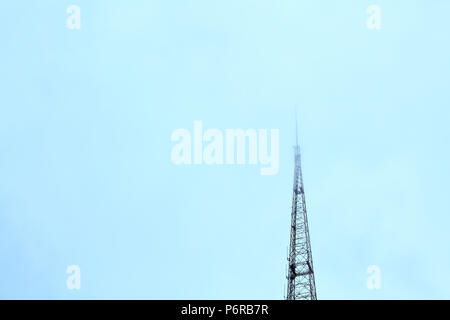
86,118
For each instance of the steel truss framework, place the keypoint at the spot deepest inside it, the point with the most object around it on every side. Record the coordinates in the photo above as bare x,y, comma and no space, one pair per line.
300,275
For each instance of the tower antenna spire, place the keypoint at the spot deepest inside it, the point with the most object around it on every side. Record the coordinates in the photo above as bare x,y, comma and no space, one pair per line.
296,128
301,281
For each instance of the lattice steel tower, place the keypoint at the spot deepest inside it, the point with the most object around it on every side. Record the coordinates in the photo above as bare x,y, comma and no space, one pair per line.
300,275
